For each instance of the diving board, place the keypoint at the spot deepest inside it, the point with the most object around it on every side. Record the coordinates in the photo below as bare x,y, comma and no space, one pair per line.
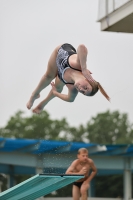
38,186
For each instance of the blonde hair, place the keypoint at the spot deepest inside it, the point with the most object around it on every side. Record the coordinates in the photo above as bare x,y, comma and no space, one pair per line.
84,150
97,86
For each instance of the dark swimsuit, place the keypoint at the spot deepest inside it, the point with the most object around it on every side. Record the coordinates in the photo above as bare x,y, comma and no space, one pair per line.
64,52
78,184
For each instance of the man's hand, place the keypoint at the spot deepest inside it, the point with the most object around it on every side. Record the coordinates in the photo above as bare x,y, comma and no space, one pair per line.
83,170
87,75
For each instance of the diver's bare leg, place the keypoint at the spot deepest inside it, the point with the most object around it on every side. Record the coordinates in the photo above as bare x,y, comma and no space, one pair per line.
46,79
59,86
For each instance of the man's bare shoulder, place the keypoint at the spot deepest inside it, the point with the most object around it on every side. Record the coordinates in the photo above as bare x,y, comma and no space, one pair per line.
90,161
75,162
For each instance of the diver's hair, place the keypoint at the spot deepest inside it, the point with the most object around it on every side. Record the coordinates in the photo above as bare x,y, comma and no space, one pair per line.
84,150
97,86
103,92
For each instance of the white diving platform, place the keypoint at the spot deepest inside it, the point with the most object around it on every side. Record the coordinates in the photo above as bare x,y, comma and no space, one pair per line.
38,186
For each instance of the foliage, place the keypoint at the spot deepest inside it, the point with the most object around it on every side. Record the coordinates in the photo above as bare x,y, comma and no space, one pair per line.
105,128
34,127
110,128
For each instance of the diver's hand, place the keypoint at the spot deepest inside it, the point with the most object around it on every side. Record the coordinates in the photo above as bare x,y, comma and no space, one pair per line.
53,87
87,75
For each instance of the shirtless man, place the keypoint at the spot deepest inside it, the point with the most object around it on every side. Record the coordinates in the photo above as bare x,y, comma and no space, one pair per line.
82,165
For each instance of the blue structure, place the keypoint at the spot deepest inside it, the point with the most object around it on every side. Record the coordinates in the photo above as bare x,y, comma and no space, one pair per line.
27,156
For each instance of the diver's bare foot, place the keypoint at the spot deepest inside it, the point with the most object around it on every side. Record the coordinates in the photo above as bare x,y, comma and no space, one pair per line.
31,101
37,109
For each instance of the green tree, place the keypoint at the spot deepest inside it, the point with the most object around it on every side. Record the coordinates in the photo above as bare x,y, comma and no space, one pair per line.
41,127
110,128
35,126
104,128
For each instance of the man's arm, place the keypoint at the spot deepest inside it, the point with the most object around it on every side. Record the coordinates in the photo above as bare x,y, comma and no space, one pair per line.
94,171
71,169
70,97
